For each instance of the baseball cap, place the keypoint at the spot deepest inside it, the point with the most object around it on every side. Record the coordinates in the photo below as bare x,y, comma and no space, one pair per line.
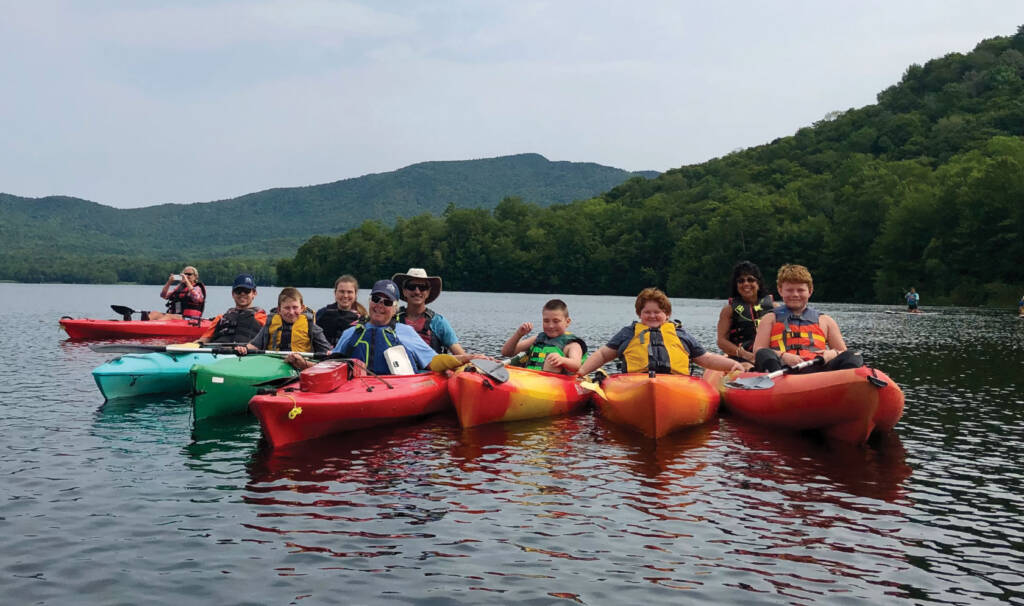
387,288
244,281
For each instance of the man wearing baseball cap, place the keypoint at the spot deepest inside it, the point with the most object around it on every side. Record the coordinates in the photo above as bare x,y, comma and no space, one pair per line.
242,322
368,340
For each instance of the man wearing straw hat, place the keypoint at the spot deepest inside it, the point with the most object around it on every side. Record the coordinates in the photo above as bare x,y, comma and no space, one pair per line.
417,289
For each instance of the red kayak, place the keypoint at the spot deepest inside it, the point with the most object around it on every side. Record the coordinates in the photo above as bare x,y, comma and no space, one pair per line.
338,395
88,328
844,404
658,405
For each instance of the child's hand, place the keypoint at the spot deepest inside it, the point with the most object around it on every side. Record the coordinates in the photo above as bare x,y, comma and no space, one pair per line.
524,329
556,360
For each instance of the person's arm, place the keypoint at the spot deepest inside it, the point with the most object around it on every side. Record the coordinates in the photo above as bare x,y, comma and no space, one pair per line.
320,342
444,331
723,342
834,342
207,335
570,362
599,358
713,361
514,344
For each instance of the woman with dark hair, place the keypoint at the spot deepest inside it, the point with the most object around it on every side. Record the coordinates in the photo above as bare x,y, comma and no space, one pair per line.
749,299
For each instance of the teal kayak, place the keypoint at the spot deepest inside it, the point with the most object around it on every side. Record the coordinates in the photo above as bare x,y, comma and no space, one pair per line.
151,373
225,385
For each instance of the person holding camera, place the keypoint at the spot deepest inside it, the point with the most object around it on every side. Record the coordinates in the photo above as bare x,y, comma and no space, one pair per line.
186,297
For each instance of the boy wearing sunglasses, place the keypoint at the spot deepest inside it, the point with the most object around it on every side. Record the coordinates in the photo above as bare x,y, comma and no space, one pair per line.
242,322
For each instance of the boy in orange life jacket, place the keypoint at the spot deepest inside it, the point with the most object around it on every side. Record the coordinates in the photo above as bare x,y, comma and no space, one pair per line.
797,332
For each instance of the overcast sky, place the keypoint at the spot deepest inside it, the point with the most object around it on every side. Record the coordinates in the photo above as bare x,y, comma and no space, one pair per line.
132,103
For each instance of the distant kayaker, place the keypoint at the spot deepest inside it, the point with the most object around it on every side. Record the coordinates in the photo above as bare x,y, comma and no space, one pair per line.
417,289
242,322
554,349
656,343
368,340
185,294
290,327
335,317
912,300
798,332
749,300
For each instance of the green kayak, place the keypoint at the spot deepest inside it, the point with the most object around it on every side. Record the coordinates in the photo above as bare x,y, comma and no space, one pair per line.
224,386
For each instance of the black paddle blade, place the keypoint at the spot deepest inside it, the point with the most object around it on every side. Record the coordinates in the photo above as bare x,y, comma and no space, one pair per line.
492,369
126,312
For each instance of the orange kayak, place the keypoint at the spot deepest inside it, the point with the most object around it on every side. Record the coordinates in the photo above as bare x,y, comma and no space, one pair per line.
845,404
656,406
338,395
528,394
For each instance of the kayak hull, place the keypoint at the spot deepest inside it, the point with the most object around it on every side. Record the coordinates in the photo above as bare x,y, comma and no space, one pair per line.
141,374
356,401
844,404
88,328
224,386
528,394
656,406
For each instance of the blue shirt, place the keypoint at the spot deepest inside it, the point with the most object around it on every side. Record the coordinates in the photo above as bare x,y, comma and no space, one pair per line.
420,354
444,331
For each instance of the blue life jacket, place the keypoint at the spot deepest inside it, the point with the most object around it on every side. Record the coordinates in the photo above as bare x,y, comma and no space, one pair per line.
368,344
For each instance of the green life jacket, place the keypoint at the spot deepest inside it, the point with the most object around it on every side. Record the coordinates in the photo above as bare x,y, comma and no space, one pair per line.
545,345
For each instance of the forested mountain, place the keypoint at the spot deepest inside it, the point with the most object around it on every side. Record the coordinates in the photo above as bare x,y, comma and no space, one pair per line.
69,239
924,188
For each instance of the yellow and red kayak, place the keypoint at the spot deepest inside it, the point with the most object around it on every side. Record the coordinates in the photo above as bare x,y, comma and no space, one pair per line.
845,404
528,394
338,395
658,405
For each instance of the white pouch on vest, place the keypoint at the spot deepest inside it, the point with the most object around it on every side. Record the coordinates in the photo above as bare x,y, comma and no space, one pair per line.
398,360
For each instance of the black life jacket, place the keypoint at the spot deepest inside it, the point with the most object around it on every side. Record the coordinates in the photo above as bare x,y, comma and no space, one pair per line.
237,326
334,321
744,319
178,302
424,328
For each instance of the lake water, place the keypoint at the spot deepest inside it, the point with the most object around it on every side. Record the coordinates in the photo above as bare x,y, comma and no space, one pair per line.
131,502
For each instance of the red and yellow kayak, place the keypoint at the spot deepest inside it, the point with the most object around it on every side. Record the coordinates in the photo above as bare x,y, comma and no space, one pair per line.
845,404
658,405
88,328
338,395
528,394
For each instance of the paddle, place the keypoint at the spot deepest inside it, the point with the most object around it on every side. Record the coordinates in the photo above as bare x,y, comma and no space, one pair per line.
225,349
495,369
126,312
765,381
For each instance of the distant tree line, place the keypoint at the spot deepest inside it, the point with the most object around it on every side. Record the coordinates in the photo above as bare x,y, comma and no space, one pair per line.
88,269
924,188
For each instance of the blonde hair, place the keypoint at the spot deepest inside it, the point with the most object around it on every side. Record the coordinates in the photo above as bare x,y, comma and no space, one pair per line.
795,274
653,294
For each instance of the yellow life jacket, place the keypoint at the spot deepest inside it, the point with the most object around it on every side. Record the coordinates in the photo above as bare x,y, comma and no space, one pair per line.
298,331
657,349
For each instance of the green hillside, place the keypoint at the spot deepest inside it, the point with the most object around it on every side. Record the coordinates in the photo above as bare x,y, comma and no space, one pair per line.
69,239
924,188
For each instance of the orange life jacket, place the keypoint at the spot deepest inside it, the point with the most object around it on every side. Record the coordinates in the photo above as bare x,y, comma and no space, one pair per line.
798,334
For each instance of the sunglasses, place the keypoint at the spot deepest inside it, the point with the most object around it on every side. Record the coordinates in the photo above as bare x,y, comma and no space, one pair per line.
747,280
188,273
421,287
241,291
380,299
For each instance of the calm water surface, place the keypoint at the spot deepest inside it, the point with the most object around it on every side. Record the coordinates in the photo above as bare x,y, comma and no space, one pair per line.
130,502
